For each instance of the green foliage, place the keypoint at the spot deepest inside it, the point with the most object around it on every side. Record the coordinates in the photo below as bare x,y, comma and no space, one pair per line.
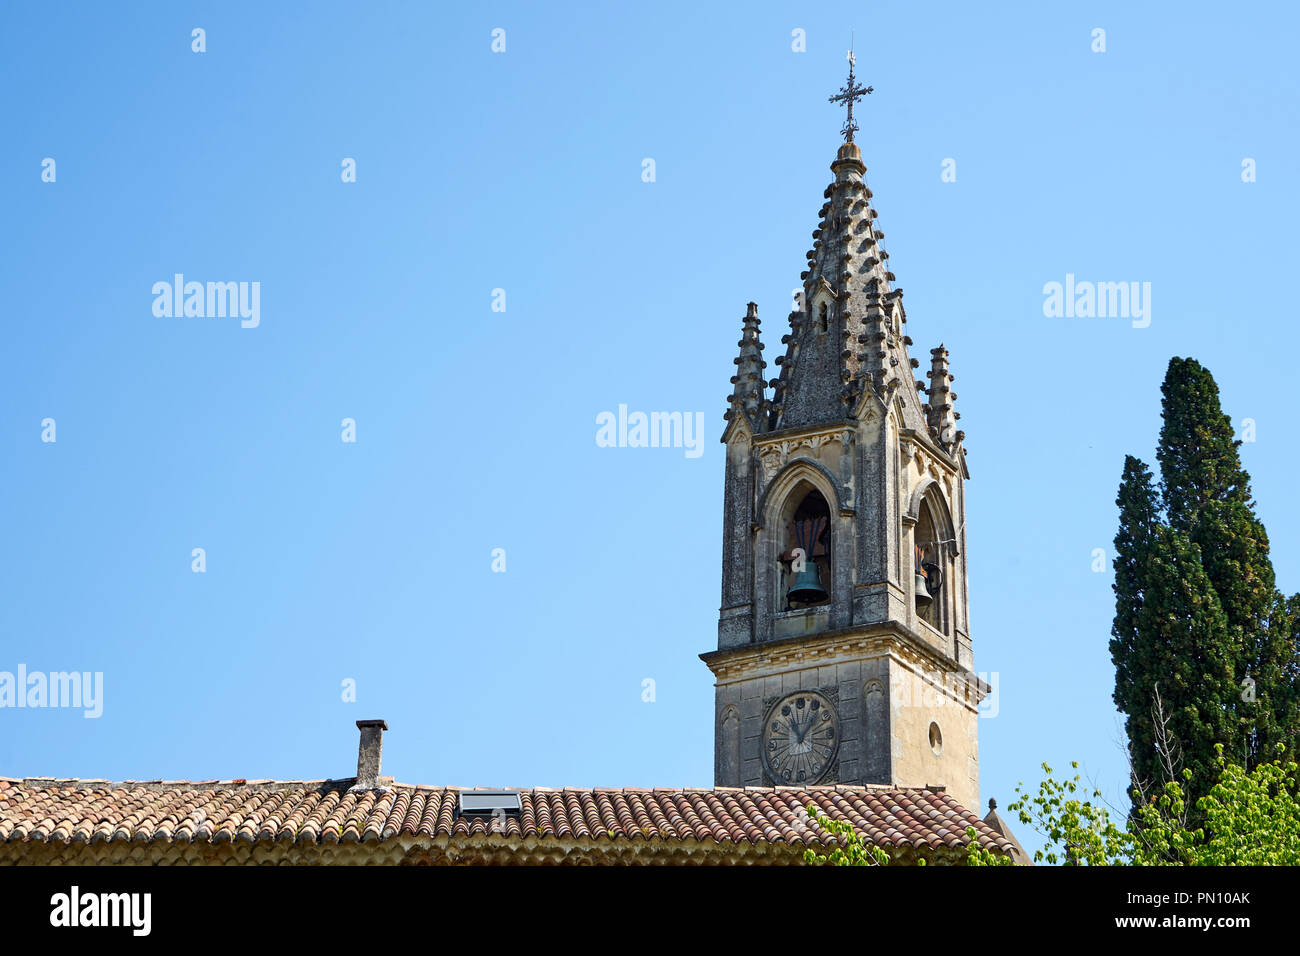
1139,520
1174,659
852,851
1252,818
1078,832
977,855
1207,497
1199,463
1196,607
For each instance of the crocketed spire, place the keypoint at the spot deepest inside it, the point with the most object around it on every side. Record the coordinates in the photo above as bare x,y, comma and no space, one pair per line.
940,412
846,339
748,394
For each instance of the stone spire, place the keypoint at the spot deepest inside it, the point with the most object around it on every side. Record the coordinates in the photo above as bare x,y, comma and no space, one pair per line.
846,338
748,395
940,413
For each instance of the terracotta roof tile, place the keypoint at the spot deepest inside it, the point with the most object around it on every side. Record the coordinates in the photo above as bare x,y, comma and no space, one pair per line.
328,812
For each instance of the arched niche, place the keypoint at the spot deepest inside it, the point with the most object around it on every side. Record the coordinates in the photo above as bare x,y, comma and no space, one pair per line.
773,577
801,469
805,519
934,548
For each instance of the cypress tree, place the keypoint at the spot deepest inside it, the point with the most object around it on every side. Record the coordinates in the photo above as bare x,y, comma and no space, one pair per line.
1196,605
1191,657
1207,497
1207,494
1134,656
1139,520
1169,640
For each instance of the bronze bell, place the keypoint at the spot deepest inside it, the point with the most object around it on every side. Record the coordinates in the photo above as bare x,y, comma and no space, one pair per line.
808,586
926,574
923,598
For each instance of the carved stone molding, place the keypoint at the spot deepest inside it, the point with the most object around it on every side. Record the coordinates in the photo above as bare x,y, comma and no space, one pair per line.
777,454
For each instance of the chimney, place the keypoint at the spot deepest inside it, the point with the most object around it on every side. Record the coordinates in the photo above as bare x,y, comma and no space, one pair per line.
369,753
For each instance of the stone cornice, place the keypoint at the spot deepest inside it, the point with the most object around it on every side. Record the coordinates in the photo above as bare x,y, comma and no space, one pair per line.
889,636
801,645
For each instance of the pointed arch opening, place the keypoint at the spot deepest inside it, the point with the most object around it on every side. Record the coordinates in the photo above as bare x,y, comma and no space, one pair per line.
805,579
935,552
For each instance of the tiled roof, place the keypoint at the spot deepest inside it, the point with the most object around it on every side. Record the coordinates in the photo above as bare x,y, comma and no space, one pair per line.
326,812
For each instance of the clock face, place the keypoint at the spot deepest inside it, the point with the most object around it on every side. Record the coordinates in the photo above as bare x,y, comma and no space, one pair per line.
800,738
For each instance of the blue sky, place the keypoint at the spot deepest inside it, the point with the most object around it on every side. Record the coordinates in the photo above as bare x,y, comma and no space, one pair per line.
521,171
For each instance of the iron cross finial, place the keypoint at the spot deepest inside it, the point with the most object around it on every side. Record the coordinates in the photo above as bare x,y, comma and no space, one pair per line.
848,94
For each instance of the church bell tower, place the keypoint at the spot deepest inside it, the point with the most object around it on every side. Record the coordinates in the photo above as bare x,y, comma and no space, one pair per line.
844,650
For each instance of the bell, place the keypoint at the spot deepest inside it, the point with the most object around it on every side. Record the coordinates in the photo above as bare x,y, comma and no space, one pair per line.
807,586
923,598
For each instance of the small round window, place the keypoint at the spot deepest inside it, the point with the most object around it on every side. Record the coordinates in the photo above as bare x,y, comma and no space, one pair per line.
936,739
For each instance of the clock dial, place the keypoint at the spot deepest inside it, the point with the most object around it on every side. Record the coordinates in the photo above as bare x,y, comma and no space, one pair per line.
800,738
